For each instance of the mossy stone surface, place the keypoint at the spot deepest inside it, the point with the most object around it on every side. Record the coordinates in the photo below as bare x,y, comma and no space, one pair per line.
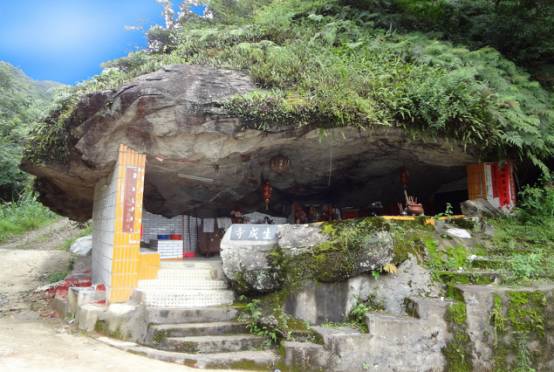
458,350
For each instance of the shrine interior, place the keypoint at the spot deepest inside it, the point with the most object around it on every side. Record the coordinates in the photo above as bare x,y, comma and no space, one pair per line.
195,228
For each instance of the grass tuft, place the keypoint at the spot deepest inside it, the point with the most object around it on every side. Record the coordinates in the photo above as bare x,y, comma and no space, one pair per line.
27,214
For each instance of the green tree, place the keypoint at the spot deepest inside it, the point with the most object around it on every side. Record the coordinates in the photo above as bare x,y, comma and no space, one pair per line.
22,103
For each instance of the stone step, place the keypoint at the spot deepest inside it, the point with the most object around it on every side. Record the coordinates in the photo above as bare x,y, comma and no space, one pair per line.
183,299
257,360
187,274
158,332
472,276
197,264
214,266
393,327
302,356
160,315
327,334
484,262
426,307
182,285
214,344
262,360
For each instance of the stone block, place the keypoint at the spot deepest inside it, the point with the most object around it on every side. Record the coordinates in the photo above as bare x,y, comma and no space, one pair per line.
80,296
317,303
390,290
349,348
306,356
126,321
88,315
426,307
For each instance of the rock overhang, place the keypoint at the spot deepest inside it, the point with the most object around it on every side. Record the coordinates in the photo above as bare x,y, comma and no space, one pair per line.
200,159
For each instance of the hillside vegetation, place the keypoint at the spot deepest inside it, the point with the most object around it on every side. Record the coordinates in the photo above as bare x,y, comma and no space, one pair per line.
22,102
322,63
520,30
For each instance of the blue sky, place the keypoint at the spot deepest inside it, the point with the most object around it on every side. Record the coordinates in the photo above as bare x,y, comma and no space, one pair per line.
67,40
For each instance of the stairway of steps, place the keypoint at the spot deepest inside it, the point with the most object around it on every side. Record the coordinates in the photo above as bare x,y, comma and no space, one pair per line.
481,270
204,337
191,321
418,337
186,284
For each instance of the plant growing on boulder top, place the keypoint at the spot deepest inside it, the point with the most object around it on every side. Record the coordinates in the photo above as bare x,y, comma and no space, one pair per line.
322,64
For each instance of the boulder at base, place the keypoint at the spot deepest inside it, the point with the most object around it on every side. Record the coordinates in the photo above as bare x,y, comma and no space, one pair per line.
480,208
253,255
82,246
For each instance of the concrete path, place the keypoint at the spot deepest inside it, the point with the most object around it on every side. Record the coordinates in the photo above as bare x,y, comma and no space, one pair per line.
30,340
48,346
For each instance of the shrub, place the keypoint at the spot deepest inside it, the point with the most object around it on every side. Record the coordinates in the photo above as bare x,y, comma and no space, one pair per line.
536,204
22,216
270,322
357,315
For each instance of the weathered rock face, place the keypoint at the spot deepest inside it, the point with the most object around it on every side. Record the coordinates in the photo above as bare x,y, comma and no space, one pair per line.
391,290
249,263
200,159
505,323
480,208
393,343
317,303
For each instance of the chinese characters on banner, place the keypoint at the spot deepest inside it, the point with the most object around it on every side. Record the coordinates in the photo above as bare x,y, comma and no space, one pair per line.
254,232
129,202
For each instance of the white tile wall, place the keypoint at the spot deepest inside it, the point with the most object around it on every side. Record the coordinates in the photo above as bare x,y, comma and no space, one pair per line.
153,224
190,237
103,217
170,248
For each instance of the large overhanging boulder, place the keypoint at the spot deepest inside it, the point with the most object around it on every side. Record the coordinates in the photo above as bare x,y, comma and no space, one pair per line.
261,265
201,159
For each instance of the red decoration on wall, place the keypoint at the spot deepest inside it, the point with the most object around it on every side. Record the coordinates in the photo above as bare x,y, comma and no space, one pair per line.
494,182
266,193
129,199
504,184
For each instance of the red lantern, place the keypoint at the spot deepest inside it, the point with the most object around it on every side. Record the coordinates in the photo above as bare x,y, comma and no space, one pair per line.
266,192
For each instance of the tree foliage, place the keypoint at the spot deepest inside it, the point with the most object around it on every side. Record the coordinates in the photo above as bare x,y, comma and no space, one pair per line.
520,29
22,102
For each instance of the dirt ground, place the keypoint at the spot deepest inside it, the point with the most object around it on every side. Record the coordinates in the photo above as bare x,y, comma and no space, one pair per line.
30,338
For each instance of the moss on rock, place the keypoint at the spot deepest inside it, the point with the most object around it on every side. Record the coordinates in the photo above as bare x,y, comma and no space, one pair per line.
518,320
103,328
458,350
